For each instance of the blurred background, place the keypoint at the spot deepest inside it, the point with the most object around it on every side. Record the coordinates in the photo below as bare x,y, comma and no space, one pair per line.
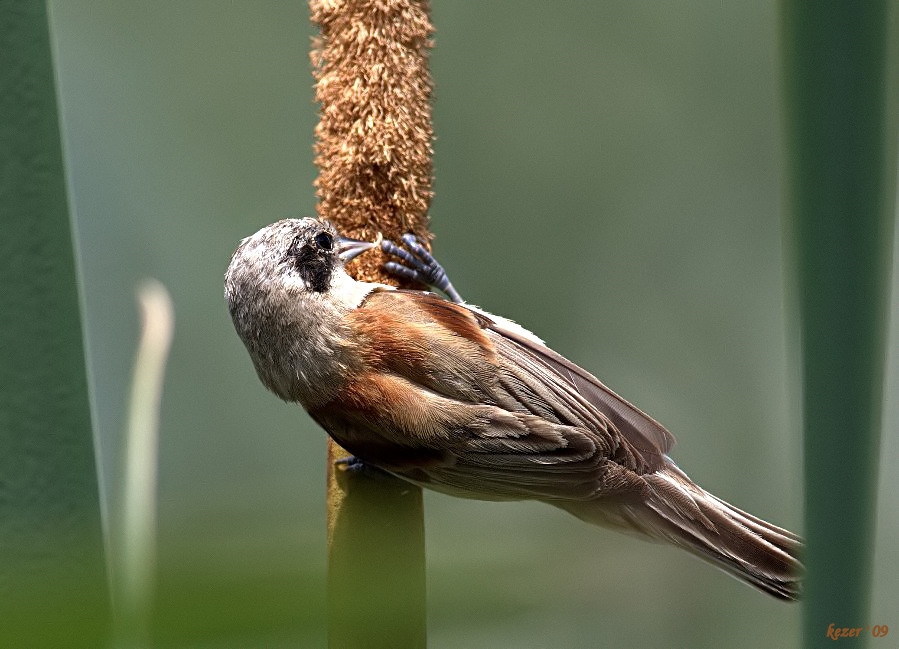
608,174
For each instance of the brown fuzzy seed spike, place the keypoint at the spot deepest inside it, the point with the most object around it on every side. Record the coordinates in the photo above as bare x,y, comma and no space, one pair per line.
374,141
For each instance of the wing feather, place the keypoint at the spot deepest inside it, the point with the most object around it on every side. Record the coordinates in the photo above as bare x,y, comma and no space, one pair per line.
521,429
647,436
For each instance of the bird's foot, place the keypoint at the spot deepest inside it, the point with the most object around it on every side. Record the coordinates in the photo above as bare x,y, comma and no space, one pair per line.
354,466
418,265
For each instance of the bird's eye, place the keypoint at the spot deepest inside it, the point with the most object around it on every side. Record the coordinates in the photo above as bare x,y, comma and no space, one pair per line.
324,241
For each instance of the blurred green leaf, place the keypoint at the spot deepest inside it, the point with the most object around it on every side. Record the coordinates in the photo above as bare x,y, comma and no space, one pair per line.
842,170
53,590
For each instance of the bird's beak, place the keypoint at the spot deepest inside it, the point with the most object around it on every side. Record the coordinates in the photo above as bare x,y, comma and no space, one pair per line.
349,249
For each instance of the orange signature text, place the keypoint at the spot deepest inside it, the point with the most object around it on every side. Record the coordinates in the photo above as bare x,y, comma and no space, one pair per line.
835,632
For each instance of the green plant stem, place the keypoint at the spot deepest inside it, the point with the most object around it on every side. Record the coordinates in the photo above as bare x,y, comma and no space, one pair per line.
136,555
376,561
373,150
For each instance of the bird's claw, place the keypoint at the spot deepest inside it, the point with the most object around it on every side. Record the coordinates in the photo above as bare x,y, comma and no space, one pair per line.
354,466
418,265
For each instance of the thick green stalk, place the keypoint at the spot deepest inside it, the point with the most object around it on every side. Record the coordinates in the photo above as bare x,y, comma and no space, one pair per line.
53,589
376,561
841,163
374,149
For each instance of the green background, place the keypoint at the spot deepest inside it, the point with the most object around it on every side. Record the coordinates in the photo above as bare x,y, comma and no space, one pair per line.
609,174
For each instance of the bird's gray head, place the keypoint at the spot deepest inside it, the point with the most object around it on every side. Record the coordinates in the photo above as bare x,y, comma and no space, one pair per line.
290,257
298,254
286,289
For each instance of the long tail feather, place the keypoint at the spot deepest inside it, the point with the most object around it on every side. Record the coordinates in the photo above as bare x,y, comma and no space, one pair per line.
676,510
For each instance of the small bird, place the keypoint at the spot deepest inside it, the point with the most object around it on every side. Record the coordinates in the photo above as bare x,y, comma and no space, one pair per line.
450,397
